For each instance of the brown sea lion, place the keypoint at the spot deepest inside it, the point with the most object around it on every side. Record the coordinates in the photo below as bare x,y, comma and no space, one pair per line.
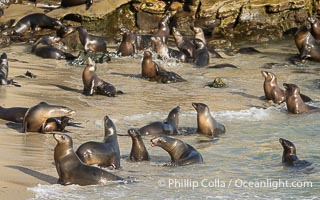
181,153
207,125
72,170
183,44
289,156
294,102
307,45
138,149
13,114
128,45
164,51
199,34
55,124
37,115
69,3
163,28
168,127
201,54
103,154
92,84
91,42
33,21
315,27
271,88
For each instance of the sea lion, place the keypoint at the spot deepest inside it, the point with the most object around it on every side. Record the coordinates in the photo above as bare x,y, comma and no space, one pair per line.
289,156
163,28
153,72
91,42
4,69
13,114
207,125
55,124
138,149
92,84
199,34
315,27
271,88
103,154
72,170
44,48
183,44
294,102
69,3
168,127
181,153
307,45
128,45
201,54
164,51
37,115
33,21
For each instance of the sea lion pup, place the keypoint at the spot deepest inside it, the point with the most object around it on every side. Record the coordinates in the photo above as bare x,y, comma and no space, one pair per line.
55,124
44,47
289,156
183,44
163,28
91,42
33,21
37,115
92,84
128,45
181,153
271,88
69,3
207,125
307,45
164,51
13,114
168,127
201,54
4,69
294,102
138,149
72,170
153,72
315,27
103,154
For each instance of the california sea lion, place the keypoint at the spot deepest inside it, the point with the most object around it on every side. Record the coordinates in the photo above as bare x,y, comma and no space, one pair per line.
37,115
271,88
181,153
201,54
315,27
55,124
33,21
68,3
207,125
138,149
14,114
289,156
91,42
4,69
153,72
72,170
127,46
183,44
164,51
199,34
307,45
92,84
103,154
294,102
44,47
163,28
168,127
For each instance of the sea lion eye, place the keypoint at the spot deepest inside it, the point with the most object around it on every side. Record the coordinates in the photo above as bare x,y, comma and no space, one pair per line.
62,137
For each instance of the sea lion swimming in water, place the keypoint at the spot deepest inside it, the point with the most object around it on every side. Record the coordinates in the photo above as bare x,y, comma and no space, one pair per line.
168,127
201,54
289,156
207,125
37,115
181,153
33,21
103,154
92,84
72,170
138,149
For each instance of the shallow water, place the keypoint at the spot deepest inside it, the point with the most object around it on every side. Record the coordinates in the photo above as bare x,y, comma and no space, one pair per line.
248,152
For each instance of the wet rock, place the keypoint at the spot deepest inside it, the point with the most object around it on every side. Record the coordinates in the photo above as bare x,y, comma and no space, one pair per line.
97,57
217,83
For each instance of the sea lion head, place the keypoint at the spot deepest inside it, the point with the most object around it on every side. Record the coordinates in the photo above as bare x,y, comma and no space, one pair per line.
160,142
269,76
201,108
289,152
63,139
291,89
133,133
147,54
174,113
91,66
199,44
108,126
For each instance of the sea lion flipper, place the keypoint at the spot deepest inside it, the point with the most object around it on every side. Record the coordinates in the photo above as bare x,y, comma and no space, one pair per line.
305,98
